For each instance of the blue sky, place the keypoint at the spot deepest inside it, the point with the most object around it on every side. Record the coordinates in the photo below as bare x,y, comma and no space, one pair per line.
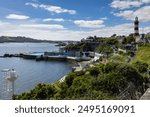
72,19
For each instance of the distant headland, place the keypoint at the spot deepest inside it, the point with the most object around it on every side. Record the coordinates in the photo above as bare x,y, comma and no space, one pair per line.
21,39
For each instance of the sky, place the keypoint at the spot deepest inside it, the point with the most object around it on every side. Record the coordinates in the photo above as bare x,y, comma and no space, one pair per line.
72,19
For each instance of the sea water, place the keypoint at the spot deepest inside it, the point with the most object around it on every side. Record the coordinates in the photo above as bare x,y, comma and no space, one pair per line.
30,72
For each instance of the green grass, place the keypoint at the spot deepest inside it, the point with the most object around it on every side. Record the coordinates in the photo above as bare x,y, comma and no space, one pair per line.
143,54
57,85
118,58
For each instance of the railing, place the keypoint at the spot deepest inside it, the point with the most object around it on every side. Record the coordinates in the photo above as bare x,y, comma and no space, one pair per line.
127,92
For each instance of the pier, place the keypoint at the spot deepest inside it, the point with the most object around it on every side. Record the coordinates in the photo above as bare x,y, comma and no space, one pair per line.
48,56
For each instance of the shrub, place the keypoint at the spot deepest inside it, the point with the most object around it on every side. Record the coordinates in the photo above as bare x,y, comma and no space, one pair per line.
130,53
140,66
130,74
80,73
118,58
112,83
69,79
79,87
111,66
94,71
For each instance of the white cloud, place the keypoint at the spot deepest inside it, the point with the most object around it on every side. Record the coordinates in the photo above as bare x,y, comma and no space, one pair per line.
58,32
17,17
89,23
122,29
145,1
124,4
50,8
128,14
143,14
43,26
54,19
4,23
104,18
35,5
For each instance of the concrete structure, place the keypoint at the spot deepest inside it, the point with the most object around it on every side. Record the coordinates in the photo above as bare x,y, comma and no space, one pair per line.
10,77
146,95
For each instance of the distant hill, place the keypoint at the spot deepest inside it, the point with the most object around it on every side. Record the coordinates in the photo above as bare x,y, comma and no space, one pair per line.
20,39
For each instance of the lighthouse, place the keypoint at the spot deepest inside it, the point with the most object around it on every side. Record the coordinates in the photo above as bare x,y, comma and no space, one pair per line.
136,30
10,77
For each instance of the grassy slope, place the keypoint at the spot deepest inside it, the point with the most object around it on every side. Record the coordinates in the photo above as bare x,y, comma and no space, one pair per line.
143,54
118,58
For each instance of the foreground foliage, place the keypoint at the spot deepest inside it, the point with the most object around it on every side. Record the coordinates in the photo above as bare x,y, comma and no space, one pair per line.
104,81
143,54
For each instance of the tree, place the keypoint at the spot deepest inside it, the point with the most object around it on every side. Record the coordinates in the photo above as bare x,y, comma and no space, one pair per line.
104,49
128,40
114,35
112,41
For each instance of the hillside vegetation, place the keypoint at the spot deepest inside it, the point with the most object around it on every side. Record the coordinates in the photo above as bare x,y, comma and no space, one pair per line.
113,80
143,54
104,81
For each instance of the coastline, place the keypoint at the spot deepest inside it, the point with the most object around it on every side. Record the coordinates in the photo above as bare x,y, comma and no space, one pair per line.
78,67
31,72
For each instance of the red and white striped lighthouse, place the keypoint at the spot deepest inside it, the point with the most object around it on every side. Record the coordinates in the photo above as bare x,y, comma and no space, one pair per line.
136,29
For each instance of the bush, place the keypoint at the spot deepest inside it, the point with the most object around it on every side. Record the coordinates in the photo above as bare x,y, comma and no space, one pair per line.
112,83
140,66
111,66
106,81
129,72
118,58
130,53
94,71
79,87
40,92
121,52
43,91
69,79
80,73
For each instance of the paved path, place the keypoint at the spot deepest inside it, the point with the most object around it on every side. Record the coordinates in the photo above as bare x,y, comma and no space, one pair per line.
146,95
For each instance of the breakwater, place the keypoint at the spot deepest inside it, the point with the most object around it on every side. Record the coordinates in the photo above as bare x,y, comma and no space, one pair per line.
56,56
